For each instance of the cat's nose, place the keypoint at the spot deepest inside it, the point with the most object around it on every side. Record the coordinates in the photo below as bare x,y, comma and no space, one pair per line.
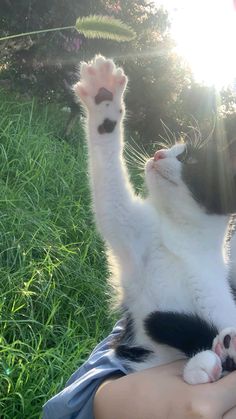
160,154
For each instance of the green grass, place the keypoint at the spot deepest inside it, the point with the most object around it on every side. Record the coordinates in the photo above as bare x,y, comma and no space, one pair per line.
53,307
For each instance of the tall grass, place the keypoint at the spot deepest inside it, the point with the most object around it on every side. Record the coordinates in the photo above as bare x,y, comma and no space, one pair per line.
53,307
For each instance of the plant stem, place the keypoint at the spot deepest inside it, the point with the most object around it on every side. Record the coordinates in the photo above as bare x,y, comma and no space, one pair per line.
5,38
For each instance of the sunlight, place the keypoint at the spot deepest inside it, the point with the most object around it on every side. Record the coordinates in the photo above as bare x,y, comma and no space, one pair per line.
205,33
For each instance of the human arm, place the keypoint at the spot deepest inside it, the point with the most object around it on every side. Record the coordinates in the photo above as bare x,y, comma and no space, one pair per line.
75,400
161,393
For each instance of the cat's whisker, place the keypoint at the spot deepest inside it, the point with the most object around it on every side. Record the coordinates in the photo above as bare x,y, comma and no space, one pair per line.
196,131
189,139
142,157
166,143
208,138
140,148
135,163
135,155
135,158
162,144
170,135
136,152
195,137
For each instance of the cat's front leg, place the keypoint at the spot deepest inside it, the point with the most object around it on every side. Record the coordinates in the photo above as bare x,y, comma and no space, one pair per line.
208,366
101,91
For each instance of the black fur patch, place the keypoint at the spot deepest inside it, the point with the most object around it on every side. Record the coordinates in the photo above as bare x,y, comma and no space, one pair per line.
124,344
103,96
229,364
211,180
133,353
226,341
186,332
107,126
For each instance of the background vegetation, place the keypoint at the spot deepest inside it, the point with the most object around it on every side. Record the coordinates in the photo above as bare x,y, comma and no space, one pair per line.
161,86
53,307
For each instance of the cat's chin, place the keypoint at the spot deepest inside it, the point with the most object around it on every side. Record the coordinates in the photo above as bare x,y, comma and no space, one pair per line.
151,168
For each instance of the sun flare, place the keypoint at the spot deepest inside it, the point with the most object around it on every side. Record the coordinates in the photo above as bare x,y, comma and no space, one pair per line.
205,34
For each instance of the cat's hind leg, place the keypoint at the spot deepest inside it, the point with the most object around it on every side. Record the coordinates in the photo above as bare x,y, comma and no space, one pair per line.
224,345
204,367
207,366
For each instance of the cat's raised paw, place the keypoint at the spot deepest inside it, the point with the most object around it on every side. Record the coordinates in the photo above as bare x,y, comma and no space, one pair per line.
224,345
204,367
101,82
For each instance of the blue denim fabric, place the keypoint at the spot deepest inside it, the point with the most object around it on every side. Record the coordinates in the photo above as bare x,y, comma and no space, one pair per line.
75,401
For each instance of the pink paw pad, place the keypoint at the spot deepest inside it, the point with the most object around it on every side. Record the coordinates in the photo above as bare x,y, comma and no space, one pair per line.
216,372
224,345
218,349
234,342
101,81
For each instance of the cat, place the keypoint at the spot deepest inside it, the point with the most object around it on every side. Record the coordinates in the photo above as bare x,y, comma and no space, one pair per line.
167,250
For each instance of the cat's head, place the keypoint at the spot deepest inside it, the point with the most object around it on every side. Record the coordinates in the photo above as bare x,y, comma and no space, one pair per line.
185,176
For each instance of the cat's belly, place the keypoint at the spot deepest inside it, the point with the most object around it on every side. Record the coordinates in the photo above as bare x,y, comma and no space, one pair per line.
164,299
156,289
163,281
159,289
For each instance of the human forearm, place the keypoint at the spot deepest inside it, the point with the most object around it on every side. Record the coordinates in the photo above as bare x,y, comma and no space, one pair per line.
161,393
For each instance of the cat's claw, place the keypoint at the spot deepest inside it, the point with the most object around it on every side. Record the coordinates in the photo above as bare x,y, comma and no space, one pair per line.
224,345
204,367
101,81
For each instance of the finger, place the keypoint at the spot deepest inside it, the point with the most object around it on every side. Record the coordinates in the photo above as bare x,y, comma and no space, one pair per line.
225,392
231,414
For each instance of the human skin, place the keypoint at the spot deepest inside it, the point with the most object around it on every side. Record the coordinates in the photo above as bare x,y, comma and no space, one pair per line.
161,393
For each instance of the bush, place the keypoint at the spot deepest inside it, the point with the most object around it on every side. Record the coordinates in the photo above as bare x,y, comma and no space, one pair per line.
39,65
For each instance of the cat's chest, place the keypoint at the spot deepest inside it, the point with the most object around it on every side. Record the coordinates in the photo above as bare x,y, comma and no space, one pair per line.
163,271
168,279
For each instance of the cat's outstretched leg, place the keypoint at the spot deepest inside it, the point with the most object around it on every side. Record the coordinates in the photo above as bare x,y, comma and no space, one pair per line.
204,367
224,345
101,89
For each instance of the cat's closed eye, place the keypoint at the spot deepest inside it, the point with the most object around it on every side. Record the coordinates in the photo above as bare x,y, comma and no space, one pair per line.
184,157
190,160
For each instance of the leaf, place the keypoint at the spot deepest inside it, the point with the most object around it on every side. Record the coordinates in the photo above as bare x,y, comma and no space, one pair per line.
104,27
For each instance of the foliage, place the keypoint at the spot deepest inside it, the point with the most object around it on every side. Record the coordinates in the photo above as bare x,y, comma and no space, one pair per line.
154,88
161,87
53,307
41,64
201,108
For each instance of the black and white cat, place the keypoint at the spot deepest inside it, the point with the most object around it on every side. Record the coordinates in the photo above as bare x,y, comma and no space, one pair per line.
167,250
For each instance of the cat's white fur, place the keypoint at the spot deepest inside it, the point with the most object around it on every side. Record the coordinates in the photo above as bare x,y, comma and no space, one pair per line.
168,252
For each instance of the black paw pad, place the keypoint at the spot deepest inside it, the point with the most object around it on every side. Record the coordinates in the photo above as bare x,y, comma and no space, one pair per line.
226,341
107,126
103,95
229,364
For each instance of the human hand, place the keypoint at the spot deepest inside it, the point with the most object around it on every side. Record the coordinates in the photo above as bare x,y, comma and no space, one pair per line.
161,393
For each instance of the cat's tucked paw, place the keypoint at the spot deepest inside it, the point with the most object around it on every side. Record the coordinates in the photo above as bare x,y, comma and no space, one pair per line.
224,345
204,367
101,83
